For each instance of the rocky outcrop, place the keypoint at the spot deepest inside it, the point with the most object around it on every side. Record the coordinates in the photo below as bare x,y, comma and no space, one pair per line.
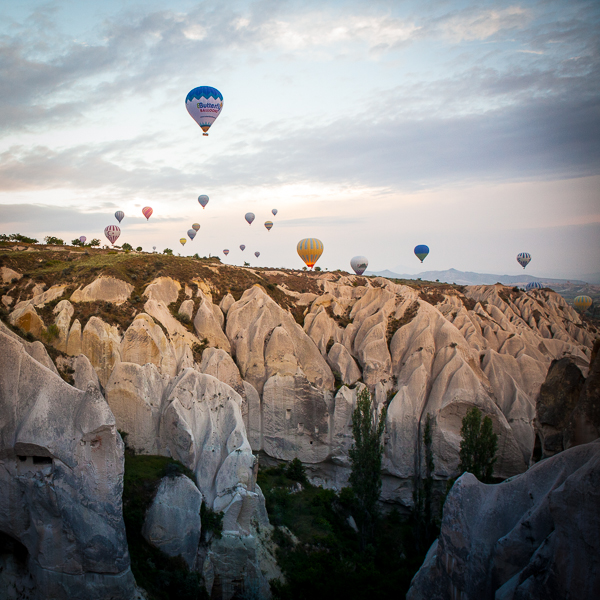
61,475
534,536
208,324
107,289
172,522
101,344
8,275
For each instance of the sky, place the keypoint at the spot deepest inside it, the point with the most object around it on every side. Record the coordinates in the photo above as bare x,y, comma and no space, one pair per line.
472,127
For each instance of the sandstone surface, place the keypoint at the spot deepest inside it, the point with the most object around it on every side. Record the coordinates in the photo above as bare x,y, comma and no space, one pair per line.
107,289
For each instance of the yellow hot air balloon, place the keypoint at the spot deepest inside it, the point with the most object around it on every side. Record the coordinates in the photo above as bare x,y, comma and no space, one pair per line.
310,250
183,241
582,303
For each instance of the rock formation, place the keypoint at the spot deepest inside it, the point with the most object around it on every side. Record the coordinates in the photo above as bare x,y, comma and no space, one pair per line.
533,536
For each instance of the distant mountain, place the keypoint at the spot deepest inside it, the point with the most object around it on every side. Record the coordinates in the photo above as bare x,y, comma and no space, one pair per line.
470,278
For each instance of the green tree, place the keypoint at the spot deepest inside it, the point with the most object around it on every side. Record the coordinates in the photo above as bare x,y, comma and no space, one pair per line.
168,251
53,241
76,242
478,446
94,242
365,459
127,247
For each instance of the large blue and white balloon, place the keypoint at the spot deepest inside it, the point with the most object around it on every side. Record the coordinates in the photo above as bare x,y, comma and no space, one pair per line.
523,258
204,104
533,285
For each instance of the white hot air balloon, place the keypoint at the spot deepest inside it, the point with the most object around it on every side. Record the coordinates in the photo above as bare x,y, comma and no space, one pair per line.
359,264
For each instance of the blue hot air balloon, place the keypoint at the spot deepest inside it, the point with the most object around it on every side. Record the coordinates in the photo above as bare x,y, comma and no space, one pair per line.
533,285
524,258
421,251
204,104
203,199
119,215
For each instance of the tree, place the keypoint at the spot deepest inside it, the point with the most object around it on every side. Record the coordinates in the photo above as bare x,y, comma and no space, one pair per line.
17,237
365,459
127,247
138,249
76,242
423,491
478,446
94,242
53,241
168,251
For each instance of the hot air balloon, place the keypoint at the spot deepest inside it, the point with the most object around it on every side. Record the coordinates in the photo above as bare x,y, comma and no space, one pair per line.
147,212
274,211
112,232
191,233
524,258
269,225
582,303
310,250
203,200
249,217
182,241
154,248
82,239
421,251
242,247
225,252
119,215
257,254
359,264
196,226
533,285
204,104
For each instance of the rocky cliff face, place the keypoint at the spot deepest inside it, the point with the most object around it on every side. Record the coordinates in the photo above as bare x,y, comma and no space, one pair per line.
61,468
290,351
521,539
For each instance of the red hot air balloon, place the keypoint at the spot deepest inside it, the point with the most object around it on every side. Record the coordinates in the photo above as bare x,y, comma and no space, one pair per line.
147,212
112,232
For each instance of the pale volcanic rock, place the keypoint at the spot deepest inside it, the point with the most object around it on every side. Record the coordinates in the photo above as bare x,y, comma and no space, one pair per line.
249,323
7,300
219,364
279,354
9,274
106,289
101,344
144,342
202,427
187,309
253,417
40,298
26,317
226,303
172,523
207,325
36,349
64,313
534,536
295,420
341,361
163,289
62,468
84,373
134,394
161,313
341,431
321,328
74,341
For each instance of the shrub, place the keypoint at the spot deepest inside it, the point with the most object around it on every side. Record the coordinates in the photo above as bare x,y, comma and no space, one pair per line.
478,446
53,241
168,251
296,471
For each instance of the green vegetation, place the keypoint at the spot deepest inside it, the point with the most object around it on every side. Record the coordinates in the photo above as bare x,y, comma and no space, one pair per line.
127,247
478,446
168,251
365,459
53,241
163,577
425,528
17,237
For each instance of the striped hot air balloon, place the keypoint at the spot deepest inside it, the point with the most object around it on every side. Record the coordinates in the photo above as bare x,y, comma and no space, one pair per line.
310,250
147,212
524,258
119,215
582,303
225,252
196,226
112,232
269,225
182,241
421,252
533,285
203,200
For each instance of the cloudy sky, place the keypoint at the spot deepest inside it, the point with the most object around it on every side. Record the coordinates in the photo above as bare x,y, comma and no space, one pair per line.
472,127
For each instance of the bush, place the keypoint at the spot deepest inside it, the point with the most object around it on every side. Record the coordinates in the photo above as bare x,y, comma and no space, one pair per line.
53,241
127,247
478,446
296,471
138,249
168,251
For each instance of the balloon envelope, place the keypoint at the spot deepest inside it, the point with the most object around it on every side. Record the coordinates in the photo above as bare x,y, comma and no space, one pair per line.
533,285
310,250
274,211
204,104
112,232
154,248
203,200
249,217
147,212
359,264
191,233
582,303
242,247
196,226
182,241
269,225
82,239
421,252
225,252
257,254
524,258
119,215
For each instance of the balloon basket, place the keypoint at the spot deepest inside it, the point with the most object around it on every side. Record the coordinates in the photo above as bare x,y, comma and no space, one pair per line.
206,134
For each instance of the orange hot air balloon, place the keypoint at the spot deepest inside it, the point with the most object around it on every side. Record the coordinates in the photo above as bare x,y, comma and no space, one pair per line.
310,250
147,212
